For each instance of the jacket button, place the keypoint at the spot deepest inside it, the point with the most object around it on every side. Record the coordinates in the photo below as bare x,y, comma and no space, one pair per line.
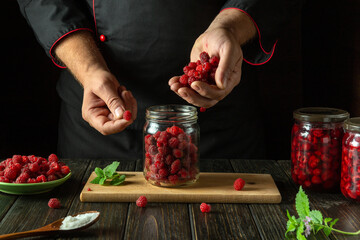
102,38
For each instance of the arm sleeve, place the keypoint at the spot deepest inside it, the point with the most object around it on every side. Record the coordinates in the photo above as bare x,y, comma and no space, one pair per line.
51,20
269,17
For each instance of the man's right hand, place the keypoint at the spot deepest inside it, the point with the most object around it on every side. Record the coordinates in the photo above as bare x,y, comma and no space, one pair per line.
104,99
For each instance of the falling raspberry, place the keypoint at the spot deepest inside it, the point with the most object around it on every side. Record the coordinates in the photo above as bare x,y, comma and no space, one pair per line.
141,201
239,184
202,109
54,203
205,208
127,115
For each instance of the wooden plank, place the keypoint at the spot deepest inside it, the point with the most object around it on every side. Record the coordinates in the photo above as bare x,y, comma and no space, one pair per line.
111,224
31,211
333,205
211,187
225,221
157,220
271,218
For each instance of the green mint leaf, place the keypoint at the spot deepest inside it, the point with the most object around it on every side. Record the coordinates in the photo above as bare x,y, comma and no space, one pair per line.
117,181
318,228
115,175
327,230
316,216
302,204
102,181
326,220
333,222
96,180
110,169
300,231
99,172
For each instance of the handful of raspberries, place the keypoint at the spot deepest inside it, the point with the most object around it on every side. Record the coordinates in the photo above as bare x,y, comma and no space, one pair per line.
201,70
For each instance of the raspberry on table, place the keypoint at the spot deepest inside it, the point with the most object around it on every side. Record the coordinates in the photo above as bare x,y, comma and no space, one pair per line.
239,184
141,201
205,208
127,115
54,203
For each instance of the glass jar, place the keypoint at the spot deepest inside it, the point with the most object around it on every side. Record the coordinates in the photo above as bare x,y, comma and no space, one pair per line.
316,140
171,140
350,164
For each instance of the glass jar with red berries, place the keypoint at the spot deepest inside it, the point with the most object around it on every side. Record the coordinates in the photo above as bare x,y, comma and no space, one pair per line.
350,164
171,138
316,140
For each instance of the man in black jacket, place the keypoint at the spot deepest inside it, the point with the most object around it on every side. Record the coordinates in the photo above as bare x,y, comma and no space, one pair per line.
122,54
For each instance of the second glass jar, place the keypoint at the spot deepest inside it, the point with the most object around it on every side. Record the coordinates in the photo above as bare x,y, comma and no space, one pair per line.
171,140
316,141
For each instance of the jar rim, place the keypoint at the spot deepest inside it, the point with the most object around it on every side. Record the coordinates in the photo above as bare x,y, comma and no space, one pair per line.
320,114
352,124
171,113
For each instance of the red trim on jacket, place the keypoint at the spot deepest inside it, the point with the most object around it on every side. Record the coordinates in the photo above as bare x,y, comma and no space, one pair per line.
258,31
94,17
258,64
50,51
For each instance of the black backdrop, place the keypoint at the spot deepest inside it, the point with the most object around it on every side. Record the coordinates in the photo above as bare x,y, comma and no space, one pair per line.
316,64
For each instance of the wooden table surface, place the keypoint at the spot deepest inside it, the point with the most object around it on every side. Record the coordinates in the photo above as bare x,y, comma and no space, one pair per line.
176,220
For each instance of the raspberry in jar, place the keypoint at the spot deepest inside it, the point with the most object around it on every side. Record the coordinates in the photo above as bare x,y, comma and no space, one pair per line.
350,164
316,143
171,140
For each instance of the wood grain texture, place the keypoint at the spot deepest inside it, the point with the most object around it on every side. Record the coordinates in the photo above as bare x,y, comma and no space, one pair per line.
210,187
271,218
225,221
157,220
111,224
333,205
31,212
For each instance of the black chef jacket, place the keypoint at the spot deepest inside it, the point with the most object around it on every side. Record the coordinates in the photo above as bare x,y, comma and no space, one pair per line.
148,42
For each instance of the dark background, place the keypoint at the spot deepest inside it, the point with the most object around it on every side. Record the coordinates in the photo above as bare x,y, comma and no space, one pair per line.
316,63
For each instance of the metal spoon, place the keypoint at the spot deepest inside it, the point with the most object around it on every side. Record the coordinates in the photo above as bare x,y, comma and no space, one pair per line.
51,228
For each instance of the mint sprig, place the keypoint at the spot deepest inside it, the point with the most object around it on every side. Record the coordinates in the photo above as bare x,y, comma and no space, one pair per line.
108,173
309,220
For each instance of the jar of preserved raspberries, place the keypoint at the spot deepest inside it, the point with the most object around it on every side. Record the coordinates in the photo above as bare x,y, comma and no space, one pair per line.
171,138
316,141
350,164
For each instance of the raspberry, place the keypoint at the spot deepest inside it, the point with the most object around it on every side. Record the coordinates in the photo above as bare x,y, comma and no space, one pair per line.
55,166
192,65
202,109
17,159
54,203
204,57
65,170
34,167
89,189
22,178
10,172
169,159
205,208
214,61
184,79
191,73
51,177
32,180
175,166
173,179
25,159
41,178
127,115
53,158
198,62
163,172
174,130
186,69
206,67
191,80
4,179
141,201
239,184
199,68
173,142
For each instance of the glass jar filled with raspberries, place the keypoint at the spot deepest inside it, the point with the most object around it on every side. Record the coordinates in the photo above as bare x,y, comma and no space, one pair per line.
350,164
316,141
171,138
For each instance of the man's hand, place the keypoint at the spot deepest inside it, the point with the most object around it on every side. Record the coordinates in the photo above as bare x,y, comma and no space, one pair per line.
104,99
224,37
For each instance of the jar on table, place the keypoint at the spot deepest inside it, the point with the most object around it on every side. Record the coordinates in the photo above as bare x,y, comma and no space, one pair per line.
316,141
171,140
350,164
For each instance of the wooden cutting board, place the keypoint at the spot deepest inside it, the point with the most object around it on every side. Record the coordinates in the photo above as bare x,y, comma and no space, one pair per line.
210,188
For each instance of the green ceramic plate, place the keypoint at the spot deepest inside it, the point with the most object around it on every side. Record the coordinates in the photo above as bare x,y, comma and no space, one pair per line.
31,188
